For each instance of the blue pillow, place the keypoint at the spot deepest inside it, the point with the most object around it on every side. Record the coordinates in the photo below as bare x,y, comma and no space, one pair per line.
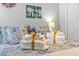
16,33
0,35
13,35
3,34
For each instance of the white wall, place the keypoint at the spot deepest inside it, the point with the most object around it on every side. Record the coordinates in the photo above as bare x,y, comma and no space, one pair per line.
73,20
17,15
63,25
69,20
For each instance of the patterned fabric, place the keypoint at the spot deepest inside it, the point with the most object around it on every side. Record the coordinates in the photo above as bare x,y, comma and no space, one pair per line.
14,35
0,35
23,30
3,34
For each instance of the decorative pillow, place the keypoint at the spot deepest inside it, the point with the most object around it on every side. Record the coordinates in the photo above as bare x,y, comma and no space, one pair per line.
42,29
3,34
33,30
37,28
14,35
49,36
17,33
23,30
0,35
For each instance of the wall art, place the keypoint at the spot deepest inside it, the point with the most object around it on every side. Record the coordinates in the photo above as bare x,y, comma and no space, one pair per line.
33,11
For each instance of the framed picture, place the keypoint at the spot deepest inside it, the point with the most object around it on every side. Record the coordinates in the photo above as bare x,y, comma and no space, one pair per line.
33,11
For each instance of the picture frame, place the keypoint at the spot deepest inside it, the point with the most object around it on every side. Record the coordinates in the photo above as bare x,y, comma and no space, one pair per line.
33,11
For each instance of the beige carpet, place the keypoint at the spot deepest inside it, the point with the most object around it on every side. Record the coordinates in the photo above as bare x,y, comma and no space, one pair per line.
68,52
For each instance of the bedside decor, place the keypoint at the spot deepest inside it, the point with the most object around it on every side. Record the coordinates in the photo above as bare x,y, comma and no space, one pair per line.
33,11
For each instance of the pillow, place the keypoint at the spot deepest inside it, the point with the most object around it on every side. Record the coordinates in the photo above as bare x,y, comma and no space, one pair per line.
17,33
49,36
23,30
14,35
3,35
33,30
0,35
37,28
42,29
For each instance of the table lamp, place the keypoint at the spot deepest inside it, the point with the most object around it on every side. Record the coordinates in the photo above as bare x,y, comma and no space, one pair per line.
53,29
